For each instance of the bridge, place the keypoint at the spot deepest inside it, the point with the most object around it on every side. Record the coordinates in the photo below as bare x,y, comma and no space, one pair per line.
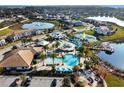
107,49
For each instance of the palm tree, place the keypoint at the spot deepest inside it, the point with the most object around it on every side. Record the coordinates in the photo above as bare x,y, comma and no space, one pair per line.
87,52
62,60
81,51
53,56
56,44
46,48
42,57
80,54
66,82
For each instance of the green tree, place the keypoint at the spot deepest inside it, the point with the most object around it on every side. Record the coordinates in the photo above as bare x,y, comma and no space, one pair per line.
46,48
80,84
42,57
53,56
76,68
66,82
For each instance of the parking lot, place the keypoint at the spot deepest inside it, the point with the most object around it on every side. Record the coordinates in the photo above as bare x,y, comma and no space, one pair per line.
6,81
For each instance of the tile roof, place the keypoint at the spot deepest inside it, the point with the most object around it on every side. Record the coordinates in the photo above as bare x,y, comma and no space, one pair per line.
17,58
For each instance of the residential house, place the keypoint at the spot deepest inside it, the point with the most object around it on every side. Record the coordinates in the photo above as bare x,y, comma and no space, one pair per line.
104,30
2,42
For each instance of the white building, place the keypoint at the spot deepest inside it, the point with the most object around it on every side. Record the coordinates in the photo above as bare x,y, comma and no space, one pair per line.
104,30
43,43
57,35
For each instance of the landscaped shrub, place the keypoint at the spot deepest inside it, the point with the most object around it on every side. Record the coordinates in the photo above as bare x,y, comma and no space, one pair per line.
76,68
1,70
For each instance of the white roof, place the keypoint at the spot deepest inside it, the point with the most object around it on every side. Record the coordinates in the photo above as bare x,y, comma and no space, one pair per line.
43,42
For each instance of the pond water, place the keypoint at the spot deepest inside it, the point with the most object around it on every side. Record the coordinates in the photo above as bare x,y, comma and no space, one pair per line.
116,58
108,19
38,25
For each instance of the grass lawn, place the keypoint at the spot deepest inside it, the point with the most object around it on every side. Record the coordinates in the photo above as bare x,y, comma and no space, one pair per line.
5,31
113,81
80,27
89,32
119,34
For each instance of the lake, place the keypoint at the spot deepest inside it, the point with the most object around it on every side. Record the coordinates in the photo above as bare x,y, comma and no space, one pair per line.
108,19
117,58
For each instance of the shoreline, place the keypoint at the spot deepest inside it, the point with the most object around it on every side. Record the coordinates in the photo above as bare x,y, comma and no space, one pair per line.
111,69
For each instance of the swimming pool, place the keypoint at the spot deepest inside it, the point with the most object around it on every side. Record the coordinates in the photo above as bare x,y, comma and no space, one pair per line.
69,59
38,25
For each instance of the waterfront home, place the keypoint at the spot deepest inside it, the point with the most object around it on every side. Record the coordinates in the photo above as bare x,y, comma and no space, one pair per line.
77,23
104,30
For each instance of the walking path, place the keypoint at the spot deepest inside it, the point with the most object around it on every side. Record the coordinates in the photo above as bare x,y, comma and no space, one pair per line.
13,24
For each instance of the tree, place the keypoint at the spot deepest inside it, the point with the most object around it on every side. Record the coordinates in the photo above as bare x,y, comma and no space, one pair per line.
46,48
56,44
53,69
53,56
80,84
76,68
14,47
80,54
1,70
23,40
66,82
81,51
42,57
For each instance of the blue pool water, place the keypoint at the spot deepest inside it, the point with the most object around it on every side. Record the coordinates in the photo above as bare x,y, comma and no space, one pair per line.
64,69
38,25
50,60
69,59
